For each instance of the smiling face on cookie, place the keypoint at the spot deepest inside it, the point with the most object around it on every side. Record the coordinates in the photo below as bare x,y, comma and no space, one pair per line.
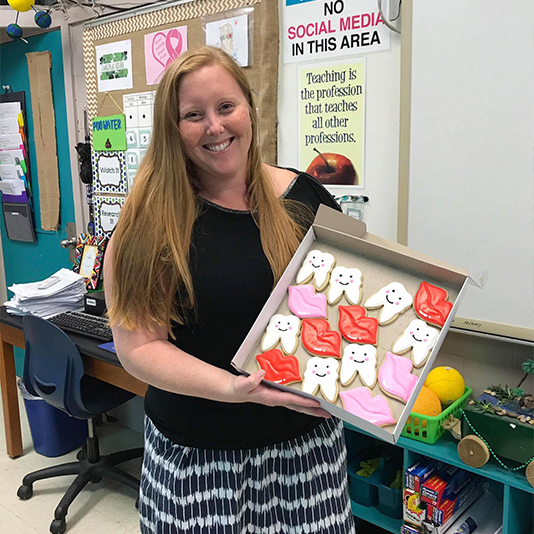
345,280
321,373
419,337
393,298
358,359
284,329
317,265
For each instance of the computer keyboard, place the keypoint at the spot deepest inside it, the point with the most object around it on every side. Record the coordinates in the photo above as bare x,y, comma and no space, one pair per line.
84,324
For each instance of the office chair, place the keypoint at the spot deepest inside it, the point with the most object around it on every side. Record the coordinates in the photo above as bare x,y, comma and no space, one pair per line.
53,370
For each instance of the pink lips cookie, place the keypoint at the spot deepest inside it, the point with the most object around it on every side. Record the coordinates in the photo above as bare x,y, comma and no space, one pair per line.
395,377
360,402
305,303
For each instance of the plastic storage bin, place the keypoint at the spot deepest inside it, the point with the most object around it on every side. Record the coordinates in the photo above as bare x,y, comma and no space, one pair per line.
375,490
54,433
428,429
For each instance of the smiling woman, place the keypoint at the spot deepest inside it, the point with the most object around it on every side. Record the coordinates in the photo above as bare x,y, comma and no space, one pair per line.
203,237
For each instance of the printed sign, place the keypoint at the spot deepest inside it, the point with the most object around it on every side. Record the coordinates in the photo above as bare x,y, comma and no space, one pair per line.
109,172
161,49
109,133
317,29
331,125
114,66
106,214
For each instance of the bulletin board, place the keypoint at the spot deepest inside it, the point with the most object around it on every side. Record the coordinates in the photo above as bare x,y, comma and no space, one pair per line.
262,74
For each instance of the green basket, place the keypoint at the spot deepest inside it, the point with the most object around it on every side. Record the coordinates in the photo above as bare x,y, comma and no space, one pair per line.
429,429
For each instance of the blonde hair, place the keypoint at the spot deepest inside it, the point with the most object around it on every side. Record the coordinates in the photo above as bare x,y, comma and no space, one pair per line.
152,282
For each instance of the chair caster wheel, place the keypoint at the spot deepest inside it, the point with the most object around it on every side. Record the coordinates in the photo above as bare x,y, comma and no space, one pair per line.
25,492
58,526
96,480
81,455
137,503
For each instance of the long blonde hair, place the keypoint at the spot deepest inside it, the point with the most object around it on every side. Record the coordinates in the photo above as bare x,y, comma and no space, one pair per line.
151,277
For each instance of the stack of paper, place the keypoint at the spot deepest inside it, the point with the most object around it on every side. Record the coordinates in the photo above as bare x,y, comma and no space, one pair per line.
63,291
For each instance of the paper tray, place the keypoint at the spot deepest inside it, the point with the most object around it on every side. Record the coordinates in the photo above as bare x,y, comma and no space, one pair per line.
381,262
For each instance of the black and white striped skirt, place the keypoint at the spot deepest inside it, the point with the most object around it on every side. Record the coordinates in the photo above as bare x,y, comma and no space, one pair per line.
299,486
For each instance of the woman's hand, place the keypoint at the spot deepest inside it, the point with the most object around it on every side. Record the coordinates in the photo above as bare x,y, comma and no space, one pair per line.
250,389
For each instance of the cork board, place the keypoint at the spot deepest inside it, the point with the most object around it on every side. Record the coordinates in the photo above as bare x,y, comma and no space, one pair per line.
263,74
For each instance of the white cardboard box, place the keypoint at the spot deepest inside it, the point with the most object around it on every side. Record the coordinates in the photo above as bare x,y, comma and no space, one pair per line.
381,262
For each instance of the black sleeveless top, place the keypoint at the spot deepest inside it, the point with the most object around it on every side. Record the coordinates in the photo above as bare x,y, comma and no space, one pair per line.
232,280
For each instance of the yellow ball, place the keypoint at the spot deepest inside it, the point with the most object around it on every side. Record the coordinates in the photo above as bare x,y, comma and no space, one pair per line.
427,403
447,383
21,5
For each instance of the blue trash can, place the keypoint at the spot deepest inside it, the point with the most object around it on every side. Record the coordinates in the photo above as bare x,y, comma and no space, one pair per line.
54,432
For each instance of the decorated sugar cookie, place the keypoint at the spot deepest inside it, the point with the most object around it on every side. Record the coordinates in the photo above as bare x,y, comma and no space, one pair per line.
356,327
316,268
395,377
431,304
345,280
420,339
304,302
322,373
278,368
318,339
360,402
393,299
283,329
358,359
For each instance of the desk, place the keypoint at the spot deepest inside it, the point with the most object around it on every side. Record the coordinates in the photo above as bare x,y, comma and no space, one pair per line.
97,362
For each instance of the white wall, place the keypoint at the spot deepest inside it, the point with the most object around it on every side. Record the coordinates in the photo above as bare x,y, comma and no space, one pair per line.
381,132
471,198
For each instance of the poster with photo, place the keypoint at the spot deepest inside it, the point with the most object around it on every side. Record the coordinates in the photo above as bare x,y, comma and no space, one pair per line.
231,35
161,49
114,66
332,122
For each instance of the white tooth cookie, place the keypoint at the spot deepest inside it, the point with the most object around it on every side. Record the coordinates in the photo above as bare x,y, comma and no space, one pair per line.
393,298
345,280
284,329
322,373
317,265
420,338
358,359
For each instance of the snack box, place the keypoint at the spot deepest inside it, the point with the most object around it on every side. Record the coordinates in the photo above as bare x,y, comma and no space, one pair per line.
416,475
413,509
381,262
443,486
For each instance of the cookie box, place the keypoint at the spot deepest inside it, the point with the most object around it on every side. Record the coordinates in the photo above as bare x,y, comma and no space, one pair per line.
362,348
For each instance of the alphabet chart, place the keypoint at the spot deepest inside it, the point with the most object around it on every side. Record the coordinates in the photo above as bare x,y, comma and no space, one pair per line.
138,108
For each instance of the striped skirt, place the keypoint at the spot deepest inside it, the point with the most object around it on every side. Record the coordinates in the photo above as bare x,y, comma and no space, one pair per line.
298,486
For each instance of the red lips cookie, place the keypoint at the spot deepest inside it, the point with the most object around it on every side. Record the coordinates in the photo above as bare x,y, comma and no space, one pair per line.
278,368
318,339
356,327
431,304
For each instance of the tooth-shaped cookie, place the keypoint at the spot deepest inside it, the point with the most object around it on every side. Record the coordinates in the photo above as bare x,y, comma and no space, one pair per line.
358,359
283,329
395,377
278,368
318,339
345,280
355,326
316,268
420,339
360,402
304,302
322,373
393,298
431,304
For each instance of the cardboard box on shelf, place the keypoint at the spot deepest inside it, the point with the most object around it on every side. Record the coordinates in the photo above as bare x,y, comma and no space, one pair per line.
381,262
444,485
413,509
416,475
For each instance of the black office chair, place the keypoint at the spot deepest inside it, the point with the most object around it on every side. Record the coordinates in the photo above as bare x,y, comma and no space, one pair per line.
53,370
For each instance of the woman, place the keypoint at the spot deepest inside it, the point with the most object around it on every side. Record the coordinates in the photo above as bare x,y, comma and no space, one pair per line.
203,237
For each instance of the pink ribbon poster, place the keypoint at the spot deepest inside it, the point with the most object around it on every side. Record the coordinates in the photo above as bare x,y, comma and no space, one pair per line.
161,49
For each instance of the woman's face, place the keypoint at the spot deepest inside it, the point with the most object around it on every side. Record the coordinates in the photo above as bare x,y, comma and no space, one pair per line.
214,123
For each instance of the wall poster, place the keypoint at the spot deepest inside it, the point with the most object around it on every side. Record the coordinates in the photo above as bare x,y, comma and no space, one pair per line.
332,122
